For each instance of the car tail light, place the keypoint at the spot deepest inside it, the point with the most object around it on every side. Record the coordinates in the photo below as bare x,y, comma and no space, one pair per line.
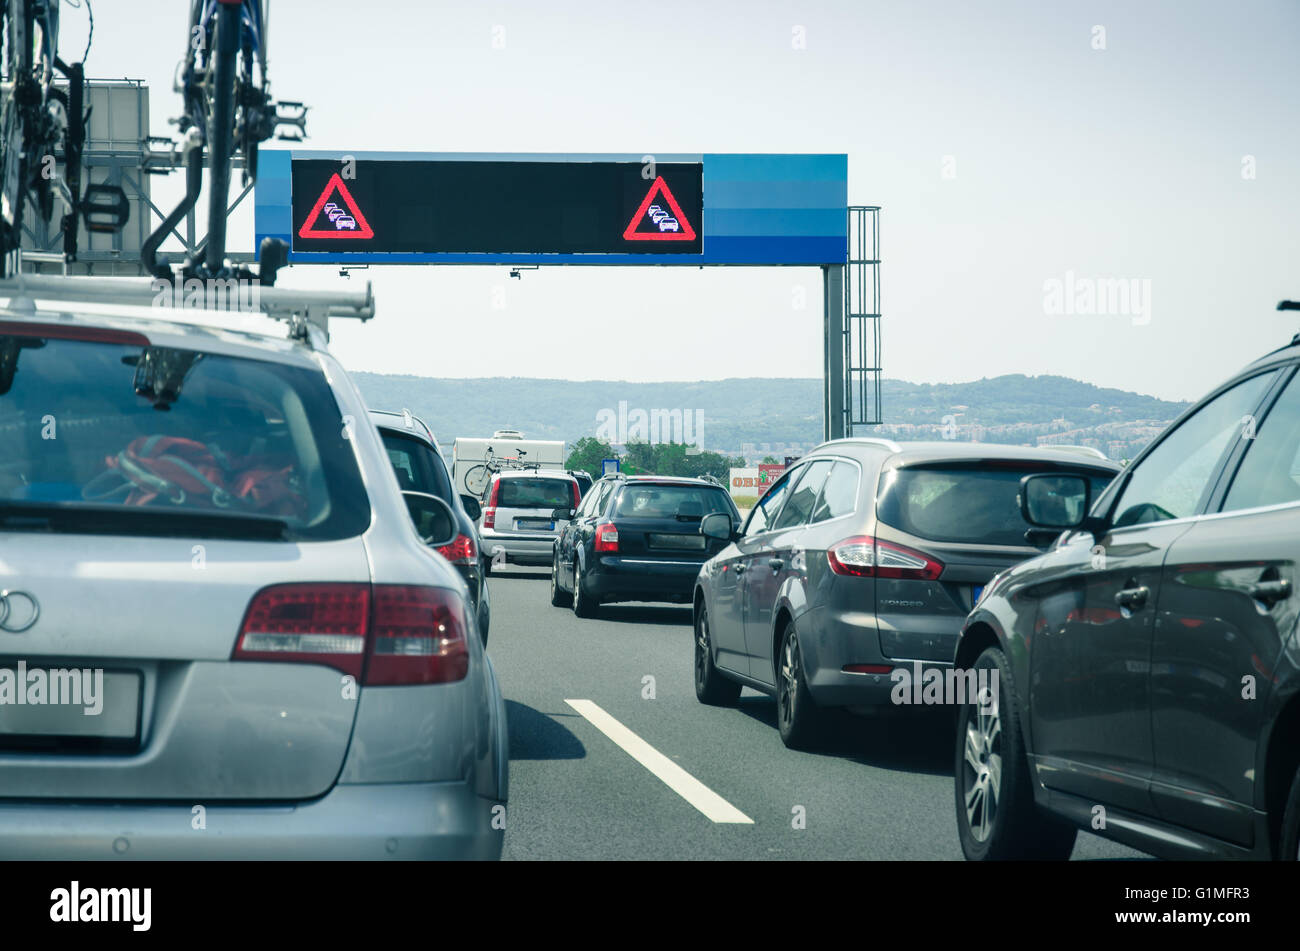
577,495
606,537
490,513
462,551
307,624
867,557
384,635
418,637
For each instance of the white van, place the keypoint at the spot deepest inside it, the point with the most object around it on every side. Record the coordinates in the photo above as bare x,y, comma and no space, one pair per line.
506,445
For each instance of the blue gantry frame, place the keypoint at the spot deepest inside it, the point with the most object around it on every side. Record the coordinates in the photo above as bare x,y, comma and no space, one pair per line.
758,210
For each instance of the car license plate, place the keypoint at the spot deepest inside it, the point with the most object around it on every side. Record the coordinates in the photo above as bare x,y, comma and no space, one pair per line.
61,704
676,542
975,594
535,525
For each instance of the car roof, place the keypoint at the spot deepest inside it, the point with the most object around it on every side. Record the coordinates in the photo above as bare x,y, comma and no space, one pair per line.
907,453
663,480
533,473
397,422
175,333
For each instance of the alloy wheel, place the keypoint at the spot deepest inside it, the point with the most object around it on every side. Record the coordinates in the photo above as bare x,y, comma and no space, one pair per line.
982,767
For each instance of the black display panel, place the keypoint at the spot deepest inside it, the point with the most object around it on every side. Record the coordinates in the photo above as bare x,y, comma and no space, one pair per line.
422,206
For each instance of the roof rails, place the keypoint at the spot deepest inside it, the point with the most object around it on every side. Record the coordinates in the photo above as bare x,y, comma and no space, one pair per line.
1079,450
295,307
872,440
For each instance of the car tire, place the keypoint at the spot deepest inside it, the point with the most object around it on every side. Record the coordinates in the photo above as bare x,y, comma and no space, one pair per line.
487,567
711,686
584,605
799,720
1288,846
991,768
559,597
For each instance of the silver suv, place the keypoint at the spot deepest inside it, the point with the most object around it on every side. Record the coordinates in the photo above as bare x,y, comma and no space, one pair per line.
256,652
525,512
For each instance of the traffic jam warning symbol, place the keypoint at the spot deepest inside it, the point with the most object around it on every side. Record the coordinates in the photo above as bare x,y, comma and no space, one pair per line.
336,214
660,223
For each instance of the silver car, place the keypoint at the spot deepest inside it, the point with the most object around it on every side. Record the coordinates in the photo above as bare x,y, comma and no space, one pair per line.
525,512
245,646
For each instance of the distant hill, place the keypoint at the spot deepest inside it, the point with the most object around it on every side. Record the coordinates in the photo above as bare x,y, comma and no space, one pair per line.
750,414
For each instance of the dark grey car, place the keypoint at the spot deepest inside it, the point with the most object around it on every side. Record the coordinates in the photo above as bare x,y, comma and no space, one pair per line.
1148,662
861,560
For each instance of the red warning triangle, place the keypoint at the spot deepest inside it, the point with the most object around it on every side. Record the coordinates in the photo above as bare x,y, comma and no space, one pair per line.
667,224
343,220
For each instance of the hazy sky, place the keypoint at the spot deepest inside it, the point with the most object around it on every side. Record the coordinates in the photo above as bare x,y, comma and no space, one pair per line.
1122,162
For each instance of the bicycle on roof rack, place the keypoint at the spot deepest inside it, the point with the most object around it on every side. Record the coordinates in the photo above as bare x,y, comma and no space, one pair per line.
41,123
479,477
228,112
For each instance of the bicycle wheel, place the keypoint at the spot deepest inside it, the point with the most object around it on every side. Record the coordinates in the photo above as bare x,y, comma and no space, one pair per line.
17,73
221,129
477,479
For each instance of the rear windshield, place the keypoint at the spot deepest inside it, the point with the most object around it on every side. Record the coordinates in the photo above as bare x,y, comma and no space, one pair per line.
419,468
671,501
964,503
118,436
535,493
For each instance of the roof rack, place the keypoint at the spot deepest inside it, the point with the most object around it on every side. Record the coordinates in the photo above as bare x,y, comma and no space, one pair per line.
872,440
295,307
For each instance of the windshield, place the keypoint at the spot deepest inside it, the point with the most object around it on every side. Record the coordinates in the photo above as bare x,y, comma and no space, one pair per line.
976,504
671,501
535,493
172,436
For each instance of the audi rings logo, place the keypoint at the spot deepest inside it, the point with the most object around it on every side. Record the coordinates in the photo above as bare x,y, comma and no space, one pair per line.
18,611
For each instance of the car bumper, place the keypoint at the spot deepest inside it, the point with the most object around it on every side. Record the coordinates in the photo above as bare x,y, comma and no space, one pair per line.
362,821
630,578
831,640
535,548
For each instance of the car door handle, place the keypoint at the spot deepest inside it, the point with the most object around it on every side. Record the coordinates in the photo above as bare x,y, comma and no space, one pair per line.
1133,598
776,564
1270,592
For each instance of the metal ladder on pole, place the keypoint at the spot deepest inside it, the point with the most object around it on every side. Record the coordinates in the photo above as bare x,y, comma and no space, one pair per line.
862,319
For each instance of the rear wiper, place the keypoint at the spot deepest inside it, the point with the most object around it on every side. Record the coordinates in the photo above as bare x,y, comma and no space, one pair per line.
105,519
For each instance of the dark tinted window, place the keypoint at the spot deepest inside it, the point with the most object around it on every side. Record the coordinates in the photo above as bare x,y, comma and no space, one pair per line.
157,435
535,493
418,467
839,493
804,495
643,500
961,503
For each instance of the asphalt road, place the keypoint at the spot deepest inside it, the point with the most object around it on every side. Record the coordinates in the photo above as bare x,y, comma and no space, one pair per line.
880,788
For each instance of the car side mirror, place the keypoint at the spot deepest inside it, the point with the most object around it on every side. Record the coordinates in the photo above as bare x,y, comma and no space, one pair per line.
1055,500
562,514
717,525
434,520
472,508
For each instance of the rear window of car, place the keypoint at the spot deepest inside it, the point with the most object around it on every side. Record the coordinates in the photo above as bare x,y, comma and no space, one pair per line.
671,501
977,504
116,435
535,493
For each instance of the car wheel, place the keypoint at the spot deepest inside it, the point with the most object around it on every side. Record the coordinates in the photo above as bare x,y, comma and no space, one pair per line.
487,567
711,686
559,597
584,605
798,718
1288,847
997,817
